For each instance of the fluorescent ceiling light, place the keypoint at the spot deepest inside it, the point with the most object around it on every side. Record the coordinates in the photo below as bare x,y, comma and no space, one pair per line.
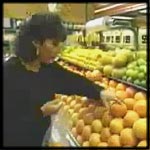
143,11
129,8
109,7
122,17
52,7
135,7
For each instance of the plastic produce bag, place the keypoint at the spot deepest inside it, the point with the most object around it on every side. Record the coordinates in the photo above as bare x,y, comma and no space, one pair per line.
58,130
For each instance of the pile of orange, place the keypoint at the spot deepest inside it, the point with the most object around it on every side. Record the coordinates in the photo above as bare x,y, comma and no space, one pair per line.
123,125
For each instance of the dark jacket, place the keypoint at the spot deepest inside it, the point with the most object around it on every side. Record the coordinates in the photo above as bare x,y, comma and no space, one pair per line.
25,92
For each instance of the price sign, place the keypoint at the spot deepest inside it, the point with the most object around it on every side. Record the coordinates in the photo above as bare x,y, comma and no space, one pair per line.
112,39
107,38
117,39
144,39
102,38
127,39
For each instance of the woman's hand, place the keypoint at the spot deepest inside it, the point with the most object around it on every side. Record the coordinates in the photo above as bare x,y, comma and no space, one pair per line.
107,96
51,107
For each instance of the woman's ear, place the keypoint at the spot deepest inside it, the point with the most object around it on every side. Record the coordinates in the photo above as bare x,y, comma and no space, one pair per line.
36,44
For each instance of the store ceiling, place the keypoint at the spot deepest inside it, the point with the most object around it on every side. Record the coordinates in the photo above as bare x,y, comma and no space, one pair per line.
132,10
76,12
23,10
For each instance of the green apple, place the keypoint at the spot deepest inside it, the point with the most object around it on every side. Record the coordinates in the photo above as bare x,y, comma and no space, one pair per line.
119,61
130,55
118,73
136,68
143,83
137,82
129,66
141,75
142,68
107,70
129,79
106,60
124,77
129,72
141,62
141,54
134,63
134,74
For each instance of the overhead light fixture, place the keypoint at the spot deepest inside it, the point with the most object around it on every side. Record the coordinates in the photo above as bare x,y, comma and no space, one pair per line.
106,8
129,8
143,11
122,17
136,7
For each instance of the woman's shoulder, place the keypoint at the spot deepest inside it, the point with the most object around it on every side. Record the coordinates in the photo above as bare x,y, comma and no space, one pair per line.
11,61
11,64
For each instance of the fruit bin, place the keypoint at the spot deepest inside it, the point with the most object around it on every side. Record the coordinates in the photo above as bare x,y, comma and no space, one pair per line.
62,121
88,123
134,116
60,130
85,72
122,64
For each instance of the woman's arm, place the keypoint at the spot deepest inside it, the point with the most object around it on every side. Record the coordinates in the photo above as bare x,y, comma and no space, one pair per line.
67,82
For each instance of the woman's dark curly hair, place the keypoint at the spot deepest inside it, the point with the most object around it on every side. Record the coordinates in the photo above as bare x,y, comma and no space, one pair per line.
39,27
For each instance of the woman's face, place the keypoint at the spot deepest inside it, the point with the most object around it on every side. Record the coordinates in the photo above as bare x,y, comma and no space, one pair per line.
48,51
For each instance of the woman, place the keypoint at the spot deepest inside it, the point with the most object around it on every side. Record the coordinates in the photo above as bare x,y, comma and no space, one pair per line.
32,78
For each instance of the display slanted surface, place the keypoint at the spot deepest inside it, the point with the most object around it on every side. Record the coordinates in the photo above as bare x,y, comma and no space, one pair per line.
133,103
122,64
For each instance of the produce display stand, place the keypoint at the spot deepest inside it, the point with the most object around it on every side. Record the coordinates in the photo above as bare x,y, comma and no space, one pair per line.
69,137
118,80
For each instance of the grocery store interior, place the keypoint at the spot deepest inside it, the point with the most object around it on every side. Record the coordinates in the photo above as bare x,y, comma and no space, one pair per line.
107,44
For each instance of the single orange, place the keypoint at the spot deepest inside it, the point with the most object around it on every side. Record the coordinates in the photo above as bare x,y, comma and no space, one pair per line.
129,103
130,92
120,94
121,86
112,83
118,110
140,96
